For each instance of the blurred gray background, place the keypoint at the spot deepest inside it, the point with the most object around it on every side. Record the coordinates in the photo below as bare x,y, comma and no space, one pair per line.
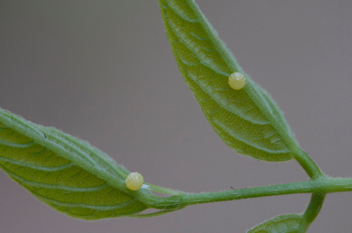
103,71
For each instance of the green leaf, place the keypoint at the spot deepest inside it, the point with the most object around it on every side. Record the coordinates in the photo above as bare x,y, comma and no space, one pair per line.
247,120
289,223
65,172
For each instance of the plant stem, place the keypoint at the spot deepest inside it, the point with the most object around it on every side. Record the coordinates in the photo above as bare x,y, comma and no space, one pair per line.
307,163
320,185
314,207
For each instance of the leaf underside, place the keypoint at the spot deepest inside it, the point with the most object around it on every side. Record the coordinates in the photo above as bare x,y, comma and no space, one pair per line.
289,223
205,64
65,172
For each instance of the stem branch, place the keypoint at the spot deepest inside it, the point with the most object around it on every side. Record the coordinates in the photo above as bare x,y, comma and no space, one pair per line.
307,163
314,207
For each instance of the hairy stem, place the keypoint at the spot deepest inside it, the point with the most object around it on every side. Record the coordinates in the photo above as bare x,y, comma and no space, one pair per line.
314,207
307,163
321,185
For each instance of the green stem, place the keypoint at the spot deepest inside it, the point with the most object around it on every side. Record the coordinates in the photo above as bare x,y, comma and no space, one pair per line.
320,185
307,163
314,207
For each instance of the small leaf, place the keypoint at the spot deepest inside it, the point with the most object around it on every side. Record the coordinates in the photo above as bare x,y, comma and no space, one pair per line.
65,172
289,223
247,120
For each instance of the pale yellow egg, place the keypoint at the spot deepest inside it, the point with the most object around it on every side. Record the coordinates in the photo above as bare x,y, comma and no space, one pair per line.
134,181
237,81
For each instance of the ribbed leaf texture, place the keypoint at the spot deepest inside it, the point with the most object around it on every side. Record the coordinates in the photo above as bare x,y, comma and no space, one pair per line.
290,223
64,172
247,120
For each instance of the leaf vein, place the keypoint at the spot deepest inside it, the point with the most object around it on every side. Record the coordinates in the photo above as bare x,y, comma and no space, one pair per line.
16,145
55,186
179,13
37,167
254,145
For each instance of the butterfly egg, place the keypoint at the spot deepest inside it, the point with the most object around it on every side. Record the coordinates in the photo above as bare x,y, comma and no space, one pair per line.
134,181
237,81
